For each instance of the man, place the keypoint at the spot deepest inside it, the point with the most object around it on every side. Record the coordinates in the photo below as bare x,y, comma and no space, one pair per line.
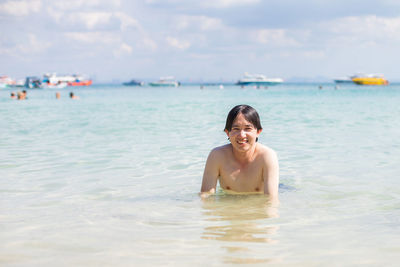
244,165
72,96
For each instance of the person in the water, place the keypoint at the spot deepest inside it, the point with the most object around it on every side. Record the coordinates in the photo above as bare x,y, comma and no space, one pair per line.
244,165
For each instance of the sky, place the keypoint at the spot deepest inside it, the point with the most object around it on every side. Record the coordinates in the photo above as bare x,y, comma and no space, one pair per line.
206,40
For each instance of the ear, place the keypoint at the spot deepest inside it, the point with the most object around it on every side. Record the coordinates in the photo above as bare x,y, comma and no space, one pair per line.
259,131
227,132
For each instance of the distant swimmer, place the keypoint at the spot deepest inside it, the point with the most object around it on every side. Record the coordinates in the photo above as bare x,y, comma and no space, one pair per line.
243,165
58,95
72,96
21,95
13,96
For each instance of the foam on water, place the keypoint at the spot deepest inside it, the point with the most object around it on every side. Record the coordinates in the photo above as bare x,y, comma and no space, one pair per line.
112,179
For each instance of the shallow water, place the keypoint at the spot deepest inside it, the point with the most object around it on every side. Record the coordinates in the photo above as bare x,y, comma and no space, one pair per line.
112,179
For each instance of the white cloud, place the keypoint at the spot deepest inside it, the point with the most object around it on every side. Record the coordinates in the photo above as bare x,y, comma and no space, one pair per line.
93,19
93,37
30,46
100,39
79,4
313,54
363,30
179,44
148,43
367,25
90,19
205,3
122,50
202,23
20,8
228,3
127,21
276,37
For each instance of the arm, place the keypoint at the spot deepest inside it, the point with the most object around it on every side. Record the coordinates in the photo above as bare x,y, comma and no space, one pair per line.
271,176
211,173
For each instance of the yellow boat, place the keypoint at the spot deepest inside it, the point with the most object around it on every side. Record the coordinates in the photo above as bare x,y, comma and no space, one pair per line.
370,80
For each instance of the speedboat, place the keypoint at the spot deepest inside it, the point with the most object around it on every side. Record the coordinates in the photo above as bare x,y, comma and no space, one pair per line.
165,81
133,83
371,79
258,80
344,80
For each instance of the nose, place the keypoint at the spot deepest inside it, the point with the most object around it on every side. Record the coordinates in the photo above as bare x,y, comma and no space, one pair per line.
242,133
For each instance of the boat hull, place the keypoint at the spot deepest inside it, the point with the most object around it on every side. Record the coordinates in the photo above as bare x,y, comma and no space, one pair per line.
80,83
370,81
54,86
343,81
133,83
266,83
164,84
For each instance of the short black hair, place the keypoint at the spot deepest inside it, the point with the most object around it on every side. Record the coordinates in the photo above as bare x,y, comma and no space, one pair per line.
249,113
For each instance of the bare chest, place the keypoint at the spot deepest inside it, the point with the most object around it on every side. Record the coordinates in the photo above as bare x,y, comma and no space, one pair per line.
242,178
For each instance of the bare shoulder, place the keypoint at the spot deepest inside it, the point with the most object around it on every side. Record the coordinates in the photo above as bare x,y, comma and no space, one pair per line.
267,153
221,151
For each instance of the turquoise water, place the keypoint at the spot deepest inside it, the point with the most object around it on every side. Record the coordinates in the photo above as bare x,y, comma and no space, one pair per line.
112,178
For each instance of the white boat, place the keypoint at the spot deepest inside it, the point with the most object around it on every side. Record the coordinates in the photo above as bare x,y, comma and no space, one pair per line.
347,79
165,81
51,80
258,80
343,80
55,85
6,81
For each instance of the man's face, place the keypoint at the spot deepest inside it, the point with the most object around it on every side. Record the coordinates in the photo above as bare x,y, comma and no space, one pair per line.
243,133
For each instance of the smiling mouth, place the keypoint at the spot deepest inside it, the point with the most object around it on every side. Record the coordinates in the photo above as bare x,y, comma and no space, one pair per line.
242,142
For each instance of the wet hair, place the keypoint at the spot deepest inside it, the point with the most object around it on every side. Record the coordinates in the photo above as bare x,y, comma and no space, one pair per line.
249,113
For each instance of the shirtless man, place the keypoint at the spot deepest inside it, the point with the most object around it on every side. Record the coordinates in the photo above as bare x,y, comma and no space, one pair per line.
244,165
72,96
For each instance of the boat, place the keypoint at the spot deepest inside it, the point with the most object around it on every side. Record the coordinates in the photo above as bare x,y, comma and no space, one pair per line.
51,80
6,81
258,80
371,79
344,79
54,86
133,83
166,81
80,83
33,82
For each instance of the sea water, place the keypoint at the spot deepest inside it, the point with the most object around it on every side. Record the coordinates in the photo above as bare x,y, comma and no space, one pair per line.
112,179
